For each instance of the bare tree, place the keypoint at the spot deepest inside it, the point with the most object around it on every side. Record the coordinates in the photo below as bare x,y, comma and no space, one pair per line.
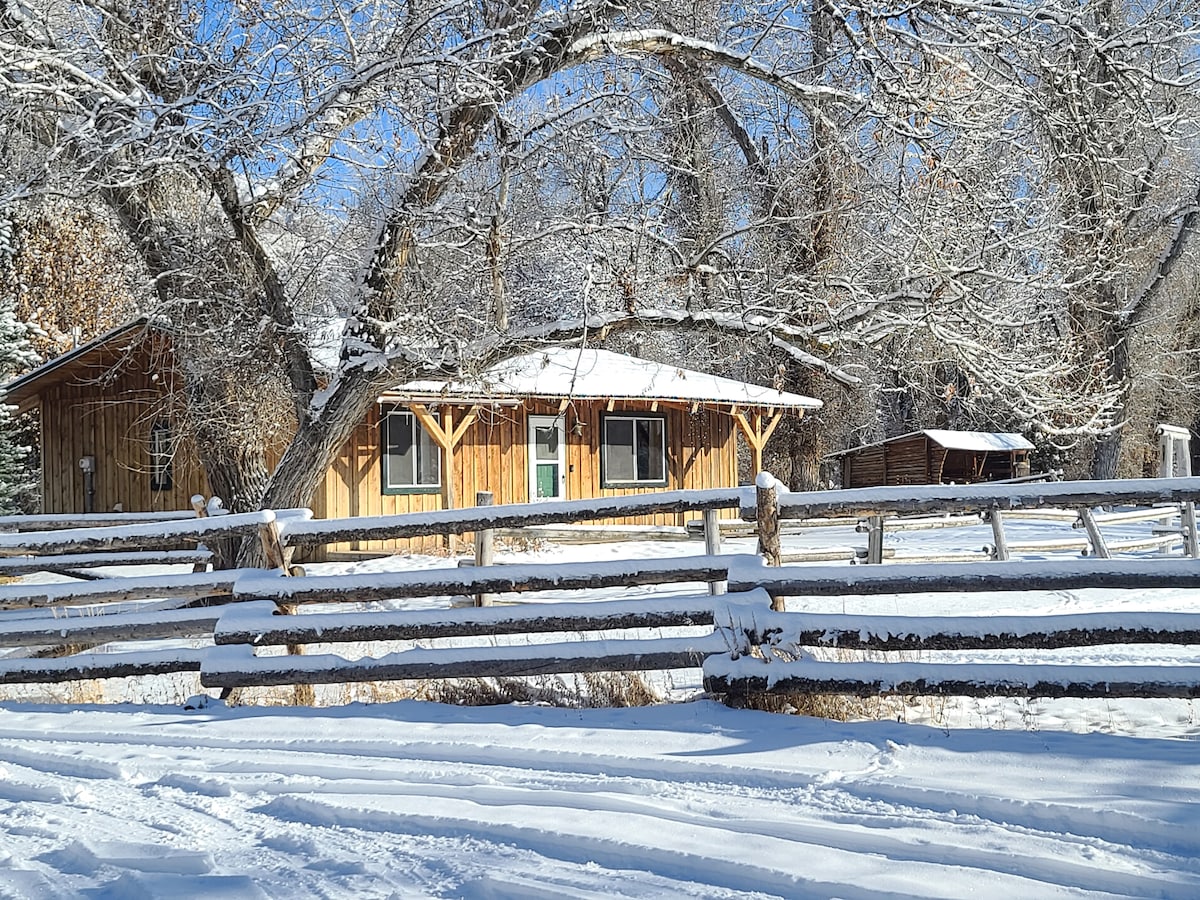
458,182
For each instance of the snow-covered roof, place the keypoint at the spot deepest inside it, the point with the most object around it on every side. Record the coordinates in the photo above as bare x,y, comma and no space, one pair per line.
978,440
584,374
981,441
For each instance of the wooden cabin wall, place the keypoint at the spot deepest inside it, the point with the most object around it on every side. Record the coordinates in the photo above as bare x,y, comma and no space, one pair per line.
701,453
493,456
908,461
111,423
865,468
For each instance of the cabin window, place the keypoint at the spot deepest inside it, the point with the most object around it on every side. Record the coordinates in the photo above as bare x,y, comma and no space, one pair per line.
634,451
160,456
412,461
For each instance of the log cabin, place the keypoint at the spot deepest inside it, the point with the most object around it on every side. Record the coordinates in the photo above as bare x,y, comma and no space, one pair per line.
561,422
935,456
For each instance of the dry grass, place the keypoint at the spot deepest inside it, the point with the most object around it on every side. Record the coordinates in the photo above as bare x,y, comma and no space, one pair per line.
603,689
592,690
836,707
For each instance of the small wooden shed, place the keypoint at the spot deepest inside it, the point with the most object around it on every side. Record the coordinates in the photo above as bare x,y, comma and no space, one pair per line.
108,437
936,456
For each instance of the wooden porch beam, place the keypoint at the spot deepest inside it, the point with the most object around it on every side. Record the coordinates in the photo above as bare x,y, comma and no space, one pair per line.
753,434
431,425
468,420
776,417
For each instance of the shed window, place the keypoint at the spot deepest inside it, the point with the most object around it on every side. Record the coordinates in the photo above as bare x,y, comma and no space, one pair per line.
634,451
160,456
412,461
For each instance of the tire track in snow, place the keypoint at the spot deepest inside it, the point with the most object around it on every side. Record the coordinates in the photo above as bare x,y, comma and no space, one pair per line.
321,772
736,860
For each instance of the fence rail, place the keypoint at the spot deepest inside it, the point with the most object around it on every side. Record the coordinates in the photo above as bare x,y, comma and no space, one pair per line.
740,639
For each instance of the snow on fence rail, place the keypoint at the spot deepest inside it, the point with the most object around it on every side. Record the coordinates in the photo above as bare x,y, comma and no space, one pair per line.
750,581
476,580
190,586
742,653
248,626
991,500
1043,575
274,591
141,536
52,522
984,497
773,650
316,532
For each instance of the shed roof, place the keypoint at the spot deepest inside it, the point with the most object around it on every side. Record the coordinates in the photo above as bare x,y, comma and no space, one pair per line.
979,441
102,351
585,374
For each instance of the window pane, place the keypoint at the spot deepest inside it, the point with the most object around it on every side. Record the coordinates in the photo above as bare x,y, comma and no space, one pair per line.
429,459
650,462
411,458
401,455
619,462
545,441
160,457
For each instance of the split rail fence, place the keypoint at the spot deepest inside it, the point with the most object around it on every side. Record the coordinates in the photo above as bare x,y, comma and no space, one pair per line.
742,645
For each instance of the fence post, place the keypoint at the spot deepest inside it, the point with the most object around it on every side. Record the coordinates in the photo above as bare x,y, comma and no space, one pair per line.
276,558
1099,548
1188,520
997,519
712,546
875,540
201,513
273,553
766,496
485,545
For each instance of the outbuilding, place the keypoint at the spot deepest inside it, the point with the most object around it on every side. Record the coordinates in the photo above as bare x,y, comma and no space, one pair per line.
936,456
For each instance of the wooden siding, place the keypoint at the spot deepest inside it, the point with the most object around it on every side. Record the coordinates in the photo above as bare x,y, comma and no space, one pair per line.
493,456
110,421
93,412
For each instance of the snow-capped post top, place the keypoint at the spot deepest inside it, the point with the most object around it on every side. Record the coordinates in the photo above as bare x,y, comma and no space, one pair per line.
767,520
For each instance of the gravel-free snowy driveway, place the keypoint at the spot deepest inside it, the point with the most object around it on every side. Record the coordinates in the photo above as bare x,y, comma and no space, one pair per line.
685,800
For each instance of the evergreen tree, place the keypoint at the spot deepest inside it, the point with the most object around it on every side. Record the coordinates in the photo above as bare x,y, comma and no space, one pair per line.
16,355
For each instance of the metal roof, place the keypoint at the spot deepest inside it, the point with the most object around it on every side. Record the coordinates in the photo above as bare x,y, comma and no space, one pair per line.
979,441
586,374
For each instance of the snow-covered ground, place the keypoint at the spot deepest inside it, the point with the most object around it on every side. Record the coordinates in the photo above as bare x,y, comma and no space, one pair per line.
687,799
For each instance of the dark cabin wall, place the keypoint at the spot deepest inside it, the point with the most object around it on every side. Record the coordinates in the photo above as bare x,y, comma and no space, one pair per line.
919,460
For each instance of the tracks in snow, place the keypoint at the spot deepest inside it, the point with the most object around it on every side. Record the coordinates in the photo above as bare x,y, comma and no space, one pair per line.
551,807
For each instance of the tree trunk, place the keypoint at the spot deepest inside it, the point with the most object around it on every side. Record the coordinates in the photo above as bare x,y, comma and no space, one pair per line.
806,452
320,437
1106,455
